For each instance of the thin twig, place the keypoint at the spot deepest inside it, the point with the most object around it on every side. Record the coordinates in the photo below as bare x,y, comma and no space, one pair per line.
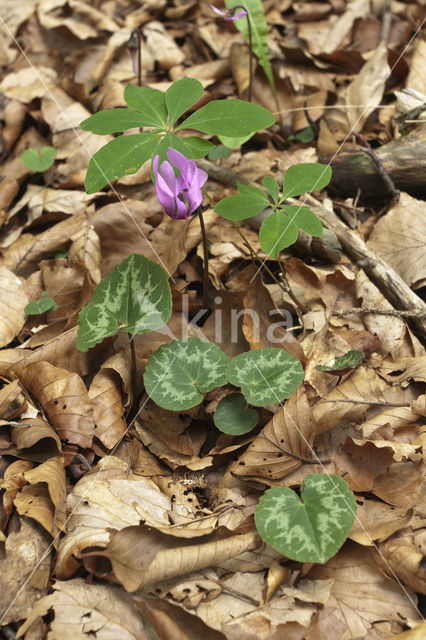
390,185
382,312
133,370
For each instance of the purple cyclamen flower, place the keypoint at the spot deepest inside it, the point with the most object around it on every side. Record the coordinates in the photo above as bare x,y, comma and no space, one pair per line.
226,17
180,196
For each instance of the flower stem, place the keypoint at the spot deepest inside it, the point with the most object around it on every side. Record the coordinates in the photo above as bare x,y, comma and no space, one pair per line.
133,371
250,39
205,261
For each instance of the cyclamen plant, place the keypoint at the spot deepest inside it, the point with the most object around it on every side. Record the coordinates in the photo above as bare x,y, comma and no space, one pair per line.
136,295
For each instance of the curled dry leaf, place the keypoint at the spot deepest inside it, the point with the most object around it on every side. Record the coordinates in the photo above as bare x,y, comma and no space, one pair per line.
142,557
64,398
81,610
283,444
13,481
403,554
31,432
51,472
105,395
24,571
13,300
12,400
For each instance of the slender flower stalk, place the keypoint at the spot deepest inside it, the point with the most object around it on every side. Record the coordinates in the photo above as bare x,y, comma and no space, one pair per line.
231,15
134,44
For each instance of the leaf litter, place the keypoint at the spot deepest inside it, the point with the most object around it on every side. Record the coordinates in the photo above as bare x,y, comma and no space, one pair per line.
145,529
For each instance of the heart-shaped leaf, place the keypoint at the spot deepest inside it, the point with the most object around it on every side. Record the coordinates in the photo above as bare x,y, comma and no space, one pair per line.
266,375
42,305
306,177
39,159
179,373
120,157
311,530
233,416
181,95
233,118
134,297
350,360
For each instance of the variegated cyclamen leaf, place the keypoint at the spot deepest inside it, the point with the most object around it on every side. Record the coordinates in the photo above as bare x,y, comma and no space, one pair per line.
179,373
266,375
312,530
134,297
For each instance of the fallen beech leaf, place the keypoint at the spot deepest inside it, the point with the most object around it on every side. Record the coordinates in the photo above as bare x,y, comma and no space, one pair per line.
32,431
360,596
82,610
13,300
142,557
105,395
13,481
20,586
362,463
404,553
52,472
376,520
34,502
64,397
85,251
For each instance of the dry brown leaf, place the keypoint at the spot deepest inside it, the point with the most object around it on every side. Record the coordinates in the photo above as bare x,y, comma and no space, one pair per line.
141,557
24,571
399,238
360,597
13,299
261,320
81,610
34,502
28,83
105,395
65,285
362,463
13,481
403,554
23,256
350,400
12,401
61,350
85,251
404,369
64,398
283,444
377,521
29,433
52,472
84,21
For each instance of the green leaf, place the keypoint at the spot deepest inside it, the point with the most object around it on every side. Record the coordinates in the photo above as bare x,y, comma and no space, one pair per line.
350,360
135,296
259,30
120,157
39,159
42,305
61,253
312,530
234,118
276,233
271,187
304,219
233,416
250,201
219,152
151,103
197,147
113,121
179,373
233,143
266,375
181,95
303,178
